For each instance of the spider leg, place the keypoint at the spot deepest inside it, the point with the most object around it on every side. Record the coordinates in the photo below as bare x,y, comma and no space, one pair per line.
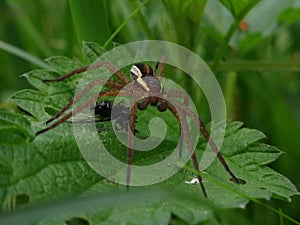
185,132
143,104
83,106
92,121
119,74
211,142
216,150
179,94
161,67
109,83
132,118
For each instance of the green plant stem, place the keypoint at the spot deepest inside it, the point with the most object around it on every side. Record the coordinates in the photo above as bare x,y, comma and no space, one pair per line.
143,21
224,45
29,29
124,23
229,92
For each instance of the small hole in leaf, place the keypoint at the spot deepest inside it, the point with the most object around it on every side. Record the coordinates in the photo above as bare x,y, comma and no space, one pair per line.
176,220
19,200
50,111
77,221
241,181
22,199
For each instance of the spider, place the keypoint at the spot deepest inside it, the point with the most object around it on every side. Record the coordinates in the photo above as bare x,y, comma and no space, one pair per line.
144,89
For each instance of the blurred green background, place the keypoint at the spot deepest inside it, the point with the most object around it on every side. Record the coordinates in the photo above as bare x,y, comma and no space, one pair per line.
255,57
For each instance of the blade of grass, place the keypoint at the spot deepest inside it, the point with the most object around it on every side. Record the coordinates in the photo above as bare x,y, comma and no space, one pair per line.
142,21
23,55
28,28
90,20
109,40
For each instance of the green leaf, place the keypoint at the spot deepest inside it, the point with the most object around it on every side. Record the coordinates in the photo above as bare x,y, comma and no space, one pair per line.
92,51
14,128
238,7
241,140
63,64
35,169
31,101
290,16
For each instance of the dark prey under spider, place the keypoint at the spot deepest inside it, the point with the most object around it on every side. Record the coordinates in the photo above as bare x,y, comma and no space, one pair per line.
144,89
103,112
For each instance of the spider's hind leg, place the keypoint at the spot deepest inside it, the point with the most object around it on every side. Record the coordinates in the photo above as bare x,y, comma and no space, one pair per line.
210,141
179,94
184,132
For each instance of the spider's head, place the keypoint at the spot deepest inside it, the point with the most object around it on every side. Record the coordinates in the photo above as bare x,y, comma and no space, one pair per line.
140,70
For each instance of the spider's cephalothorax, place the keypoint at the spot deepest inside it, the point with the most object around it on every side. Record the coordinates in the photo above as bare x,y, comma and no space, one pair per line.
146,89
144,77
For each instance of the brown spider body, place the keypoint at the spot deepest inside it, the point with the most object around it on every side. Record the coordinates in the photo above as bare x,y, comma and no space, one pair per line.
153,88
144,90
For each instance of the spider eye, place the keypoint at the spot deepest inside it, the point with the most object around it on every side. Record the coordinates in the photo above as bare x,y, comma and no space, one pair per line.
135,72
140,70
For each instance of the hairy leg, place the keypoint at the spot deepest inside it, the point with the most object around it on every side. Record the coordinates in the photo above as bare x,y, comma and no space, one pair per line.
119,74
109,83
186,134
131,132
88,103
209,139
160,67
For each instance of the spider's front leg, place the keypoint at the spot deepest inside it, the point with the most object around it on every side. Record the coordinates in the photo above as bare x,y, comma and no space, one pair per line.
119,74
87,104
109,83
131,133
115,87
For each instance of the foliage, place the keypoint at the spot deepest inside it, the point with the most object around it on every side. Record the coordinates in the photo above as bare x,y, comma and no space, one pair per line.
255,66
57,169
